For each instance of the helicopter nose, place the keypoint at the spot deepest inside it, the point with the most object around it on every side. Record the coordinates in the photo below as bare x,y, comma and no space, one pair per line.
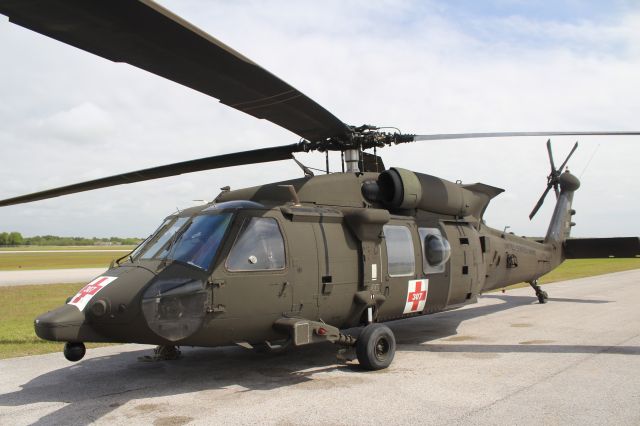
65,324
100,311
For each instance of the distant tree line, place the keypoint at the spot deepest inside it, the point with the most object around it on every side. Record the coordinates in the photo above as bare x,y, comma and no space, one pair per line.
11,239
16,239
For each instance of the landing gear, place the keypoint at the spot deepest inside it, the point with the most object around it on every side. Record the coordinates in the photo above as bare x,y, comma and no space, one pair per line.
541,294
273,347
375,347
162,353
74,351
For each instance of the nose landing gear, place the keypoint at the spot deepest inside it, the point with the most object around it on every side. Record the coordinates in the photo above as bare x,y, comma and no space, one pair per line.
74,351
162,353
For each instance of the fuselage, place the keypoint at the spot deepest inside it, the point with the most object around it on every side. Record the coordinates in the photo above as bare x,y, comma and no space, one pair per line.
225,272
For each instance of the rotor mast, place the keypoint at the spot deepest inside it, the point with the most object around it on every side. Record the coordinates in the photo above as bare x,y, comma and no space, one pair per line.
352,159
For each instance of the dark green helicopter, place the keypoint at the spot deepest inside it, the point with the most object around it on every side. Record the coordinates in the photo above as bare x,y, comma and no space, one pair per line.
300,261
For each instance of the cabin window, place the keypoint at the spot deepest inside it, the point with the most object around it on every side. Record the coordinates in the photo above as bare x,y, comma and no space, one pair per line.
400,255
435,250
258,247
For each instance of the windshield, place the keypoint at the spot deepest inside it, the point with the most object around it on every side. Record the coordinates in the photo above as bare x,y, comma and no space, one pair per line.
193,240
157,245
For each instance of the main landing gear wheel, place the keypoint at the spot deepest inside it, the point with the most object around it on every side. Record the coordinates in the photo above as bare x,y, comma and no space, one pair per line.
375,347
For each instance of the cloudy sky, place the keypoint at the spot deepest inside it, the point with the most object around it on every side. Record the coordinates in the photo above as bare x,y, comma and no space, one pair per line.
422,66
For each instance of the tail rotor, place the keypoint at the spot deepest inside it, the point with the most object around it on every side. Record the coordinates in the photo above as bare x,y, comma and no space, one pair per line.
553,179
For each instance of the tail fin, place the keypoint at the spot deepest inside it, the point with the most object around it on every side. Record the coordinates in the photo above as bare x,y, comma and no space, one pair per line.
560,225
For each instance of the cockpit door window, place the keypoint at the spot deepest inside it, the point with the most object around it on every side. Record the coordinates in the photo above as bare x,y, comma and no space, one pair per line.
258,247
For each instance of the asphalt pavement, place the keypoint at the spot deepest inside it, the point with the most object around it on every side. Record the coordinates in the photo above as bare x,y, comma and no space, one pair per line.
505,360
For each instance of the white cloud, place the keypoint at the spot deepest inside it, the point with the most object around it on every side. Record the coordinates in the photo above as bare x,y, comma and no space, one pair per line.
85,123
406,64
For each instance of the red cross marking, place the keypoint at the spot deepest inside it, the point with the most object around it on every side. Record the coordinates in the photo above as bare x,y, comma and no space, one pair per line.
89,290
417,296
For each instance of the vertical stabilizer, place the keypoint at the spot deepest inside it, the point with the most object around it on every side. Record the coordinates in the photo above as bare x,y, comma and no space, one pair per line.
561,224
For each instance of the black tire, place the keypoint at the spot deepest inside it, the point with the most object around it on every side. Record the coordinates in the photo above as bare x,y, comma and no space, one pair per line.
74,351
375,347
542,297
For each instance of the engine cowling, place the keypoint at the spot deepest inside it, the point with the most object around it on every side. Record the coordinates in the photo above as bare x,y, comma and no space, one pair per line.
403,189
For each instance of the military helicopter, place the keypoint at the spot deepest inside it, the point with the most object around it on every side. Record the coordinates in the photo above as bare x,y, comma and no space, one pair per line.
295,262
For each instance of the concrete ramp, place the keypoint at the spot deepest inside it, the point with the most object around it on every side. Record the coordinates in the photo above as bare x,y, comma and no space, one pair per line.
505,360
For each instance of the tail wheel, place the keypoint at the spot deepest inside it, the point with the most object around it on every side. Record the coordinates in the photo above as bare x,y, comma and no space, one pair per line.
375,347
542,296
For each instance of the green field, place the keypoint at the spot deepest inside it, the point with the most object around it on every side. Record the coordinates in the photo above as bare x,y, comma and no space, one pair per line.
20,305
58,259
579,268
36,248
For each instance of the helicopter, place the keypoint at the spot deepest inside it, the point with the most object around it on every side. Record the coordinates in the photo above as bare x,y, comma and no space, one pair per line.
296,262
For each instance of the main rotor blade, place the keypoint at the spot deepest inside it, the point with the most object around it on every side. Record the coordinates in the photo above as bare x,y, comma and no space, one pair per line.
147,36
553,166
540,202
566,160
262,155
444,136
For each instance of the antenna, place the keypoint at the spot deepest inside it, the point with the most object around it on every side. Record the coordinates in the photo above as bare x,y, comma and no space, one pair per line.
589,162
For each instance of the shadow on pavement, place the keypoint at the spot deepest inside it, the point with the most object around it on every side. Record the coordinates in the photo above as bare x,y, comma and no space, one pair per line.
94,387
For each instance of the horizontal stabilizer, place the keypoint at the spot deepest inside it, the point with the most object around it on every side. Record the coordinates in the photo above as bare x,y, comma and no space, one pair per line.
594,248
485,192
483,188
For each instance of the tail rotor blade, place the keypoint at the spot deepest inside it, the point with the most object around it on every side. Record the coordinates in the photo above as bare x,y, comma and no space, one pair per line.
569,156
553,179
553,166
540,202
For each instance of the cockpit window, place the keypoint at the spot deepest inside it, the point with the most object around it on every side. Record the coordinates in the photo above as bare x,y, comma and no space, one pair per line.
259,246
200,241
160,239
194,240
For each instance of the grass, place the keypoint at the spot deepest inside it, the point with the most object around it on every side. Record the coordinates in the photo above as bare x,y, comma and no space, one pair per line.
580,268
36,248
20,305
62,260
